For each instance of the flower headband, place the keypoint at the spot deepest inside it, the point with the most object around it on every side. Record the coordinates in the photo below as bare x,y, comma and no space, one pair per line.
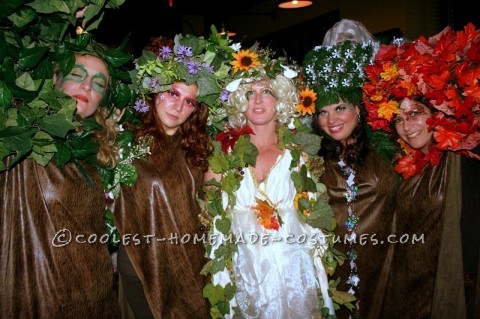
191,60
256,63
337,72
442,70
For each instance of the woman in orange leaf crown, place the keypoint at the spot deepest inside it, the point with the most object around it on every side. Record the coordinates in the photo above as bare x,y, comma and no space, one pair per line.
424,94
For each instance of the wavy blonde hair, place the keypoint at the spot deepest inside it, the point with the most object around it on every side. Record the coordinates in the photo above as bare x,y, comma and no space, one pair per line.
284,91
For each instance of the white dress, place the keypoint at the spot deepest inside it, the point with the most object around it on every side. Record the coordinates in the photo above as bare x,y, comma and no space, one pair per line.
278,274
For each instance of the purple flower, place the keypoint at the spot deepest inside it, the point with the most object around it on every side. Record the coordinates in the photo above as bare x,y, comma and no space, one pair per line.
193,67
209,67
165,52
224,95
184,52
141,106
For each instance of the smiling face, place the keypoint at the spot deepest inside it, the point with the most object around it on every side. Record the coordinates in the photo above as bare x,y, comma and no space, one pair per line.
261,104
87,83
175,106
411,124
338,120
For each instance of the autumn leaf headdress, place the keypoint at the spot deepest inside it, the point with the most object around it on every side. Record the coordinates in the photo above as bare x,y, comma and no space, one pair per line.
442,70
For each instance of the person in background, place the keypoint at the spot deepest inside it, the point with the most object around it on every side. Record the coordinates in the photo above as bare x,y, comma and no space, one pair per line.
160,277
264,187
426,102
50,266
347,30
361,184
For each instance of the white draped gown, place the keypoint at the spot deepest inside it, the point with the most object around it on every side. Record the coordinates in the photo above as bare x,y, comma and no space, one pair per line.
281,276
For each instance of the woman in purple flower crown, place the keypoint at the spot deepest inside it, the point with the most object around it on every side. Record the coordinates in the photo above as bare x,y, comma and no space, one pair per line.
160,276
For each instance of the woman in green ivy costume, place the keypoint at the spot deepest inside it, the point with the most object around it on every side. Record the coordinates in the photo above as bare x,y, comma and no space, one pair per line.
48,268
269,247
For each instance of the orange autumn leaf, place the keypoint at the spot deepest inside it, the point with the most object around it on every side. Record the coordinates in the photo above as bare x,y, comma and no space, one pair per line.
446,139
267,215
406,166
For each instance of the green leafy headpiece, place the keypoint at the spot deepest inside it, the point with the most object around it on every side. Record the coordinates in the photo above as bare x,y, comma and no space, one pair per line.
204,61
35,119
337,72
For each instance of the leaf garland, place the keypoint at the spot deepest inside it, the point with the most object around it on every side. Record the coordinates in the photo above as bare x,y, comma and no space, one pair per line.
317,213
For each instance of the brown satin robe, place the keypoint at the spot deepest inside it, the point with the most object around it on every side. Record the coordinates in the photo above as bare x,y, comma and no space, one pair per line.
427,278
163,202
377,186
37,279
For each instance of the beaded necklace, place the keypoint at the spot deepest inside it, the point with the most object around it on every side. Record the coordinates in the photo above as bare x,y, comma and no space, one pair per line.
351,225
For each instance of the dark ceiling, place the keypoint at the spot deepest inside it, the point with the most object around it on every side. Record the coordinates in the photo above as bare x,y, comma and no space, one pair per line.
143,19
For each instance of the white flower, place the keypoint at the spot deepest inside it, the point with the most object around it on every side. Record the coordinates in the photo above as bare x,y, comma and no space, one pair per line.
233,86
236,46
289,73
291,125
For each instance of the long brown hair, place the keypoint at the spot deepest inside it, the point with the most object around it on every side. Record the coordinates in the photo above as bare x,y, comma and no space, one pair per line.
195,139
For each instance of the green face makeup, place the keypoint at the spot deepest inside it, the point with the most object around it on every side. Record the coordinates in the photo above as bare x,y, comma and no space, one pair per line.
79,73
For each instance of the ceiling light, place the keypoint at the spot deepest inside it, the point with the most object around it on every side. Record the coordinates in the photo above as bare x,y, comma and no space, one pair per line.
294,4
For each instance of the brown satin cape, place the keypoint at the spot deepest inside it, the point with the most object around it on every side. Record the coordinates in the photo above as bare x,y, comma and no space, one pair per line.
427,278
163,202
375,204
37,279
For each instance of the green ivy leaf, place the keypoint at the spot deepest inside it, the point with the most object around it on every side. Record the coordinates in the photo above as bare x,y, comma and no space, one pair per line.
63,154
17,138
219,163
25,82
31,57
23,17
214,294
5,95
56,124
223,225
245,151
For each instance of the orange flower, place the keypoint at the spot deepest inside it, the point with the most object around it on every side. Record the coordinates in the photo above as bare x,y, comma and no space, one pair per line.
267,215
244,60
307,102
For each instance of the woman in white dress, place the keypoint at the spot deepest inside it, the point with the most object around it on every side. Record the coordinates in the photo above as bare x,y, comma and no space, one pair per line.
278,266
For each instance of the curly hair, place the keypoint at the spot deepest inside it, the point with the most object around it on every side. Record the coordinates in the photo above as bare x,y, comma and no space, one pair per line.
284,90
107,154
354,153
156,43
195,139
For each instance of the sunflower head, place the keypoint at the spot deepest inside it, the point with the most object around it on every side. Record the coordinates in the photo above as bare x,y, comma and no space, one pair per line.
307,102
255,63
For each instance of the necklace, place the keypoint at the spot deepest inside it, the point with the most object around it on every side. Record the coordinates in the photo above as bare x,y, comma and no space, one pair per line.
351,225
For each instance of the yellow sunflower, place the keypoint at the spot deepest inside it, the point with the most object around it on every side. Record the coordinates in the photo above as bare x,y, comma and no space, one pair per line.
307,102
244,60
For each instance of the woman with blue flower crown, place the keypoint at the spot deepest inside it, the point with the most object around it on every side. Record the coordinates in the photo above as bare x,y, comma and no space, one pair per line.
177,81
270,254
361,185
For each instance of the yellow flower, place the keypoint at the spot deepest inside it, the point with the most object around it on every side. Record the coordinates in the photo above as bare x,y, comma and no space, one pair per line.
390,72
244,60
307,102
386,110
297,198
